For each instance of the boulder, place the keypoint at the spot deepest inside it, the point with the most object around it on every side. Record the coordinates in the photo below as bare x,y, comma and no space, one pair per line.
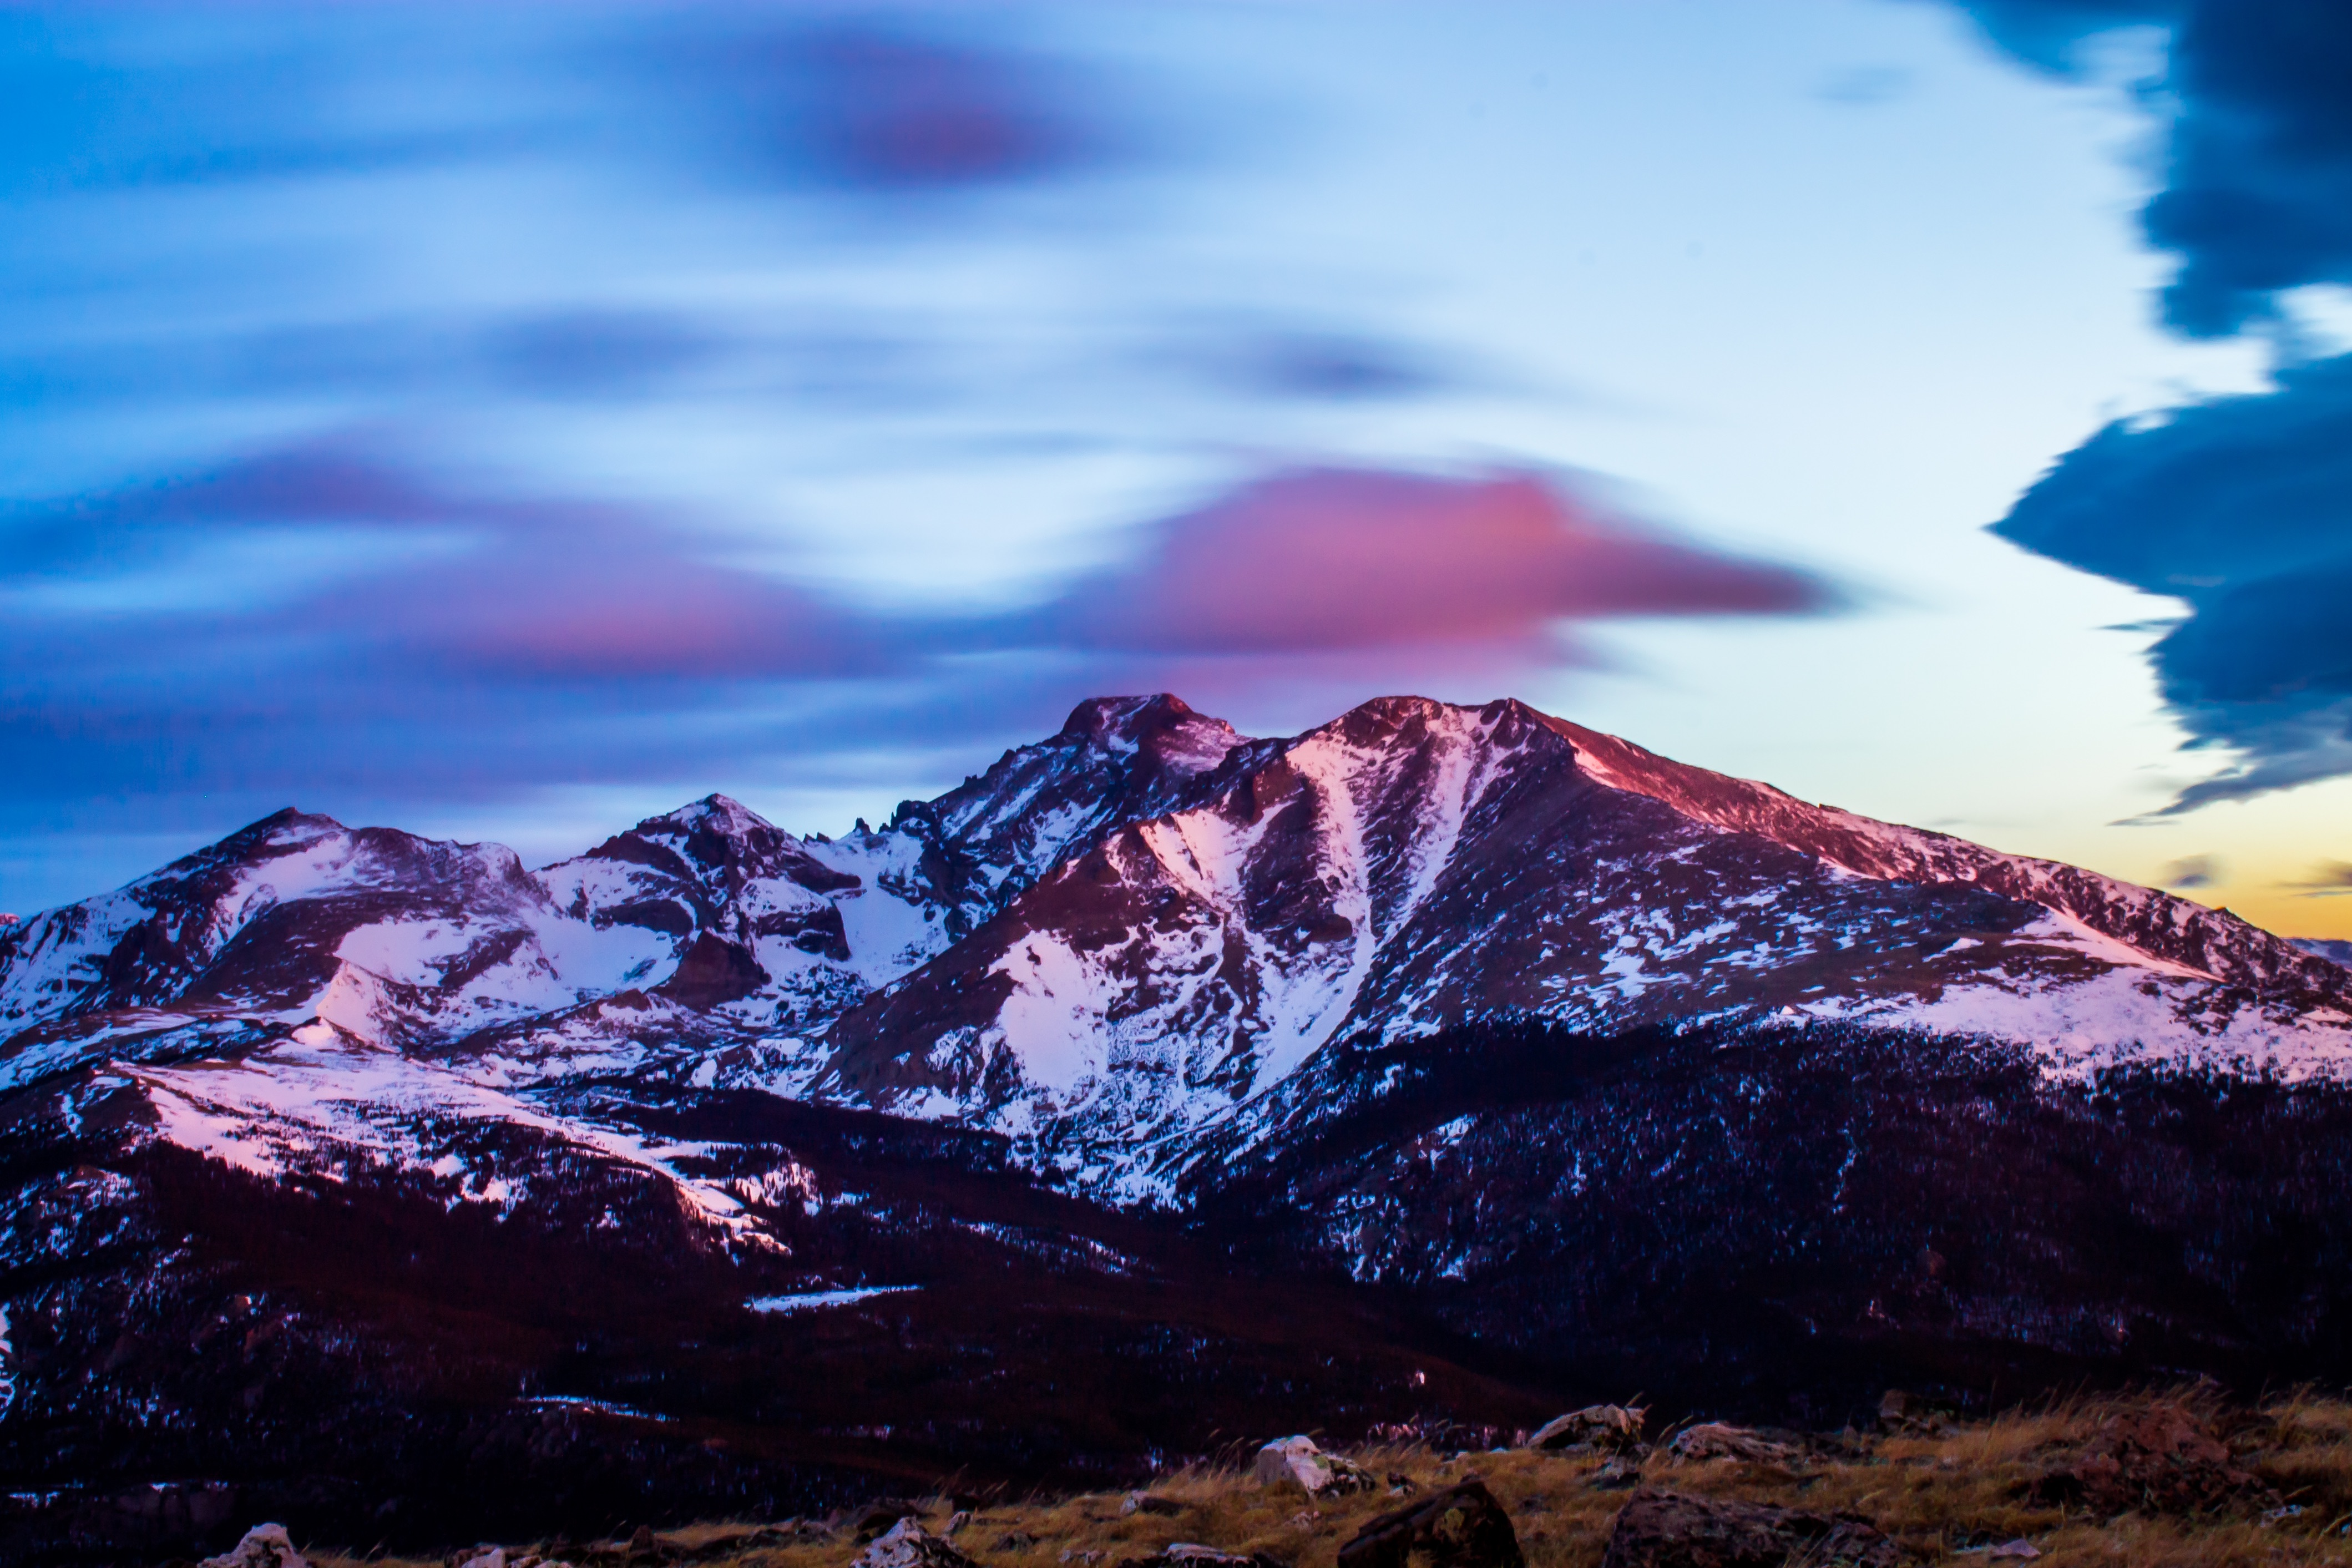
490,1557
1610,1428
2156,1459
1191,1555
264,1546
1460,1526
1299,1461
906,1544
1668,1529
1719,1440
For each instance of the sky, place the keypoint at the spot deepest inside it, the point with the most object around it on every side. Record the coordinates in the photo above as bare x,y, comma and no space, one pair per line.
506,422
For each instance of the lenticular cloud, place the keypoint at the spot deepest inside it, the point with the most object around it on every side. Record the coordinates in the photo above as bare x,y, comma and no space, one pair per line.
1328,560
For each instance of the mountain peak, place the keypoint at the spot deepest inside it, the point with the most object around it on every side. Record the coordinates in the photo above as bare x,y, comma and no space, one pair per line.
1163,725
1106,715
720,814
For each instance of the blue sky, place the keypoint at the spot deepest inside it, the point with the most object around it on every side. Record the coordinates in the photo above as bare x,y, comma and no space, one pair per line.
504,422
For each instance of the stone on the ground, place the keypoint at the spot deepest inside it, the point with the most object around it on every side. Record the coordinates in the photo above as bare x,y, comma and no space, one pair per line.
264,1546
906,1544
1297,1459
1460,1526
1720,1440
2156,1459
1191,1555
1612,1428
1668,1529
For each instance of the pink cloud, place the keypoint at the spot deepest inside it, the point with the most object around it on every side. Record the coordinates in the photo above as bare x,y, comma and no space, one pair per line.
1331,559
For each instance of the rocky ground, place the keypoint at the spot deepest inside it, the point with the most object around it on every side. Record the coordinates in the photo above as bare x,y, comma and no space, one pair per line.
2154,1481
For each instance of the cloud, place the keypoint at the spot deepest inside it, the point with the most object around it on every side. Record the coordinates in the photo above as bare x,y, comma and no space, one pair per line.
476,586
2328,878
1342,560
2242,508
2192,871
338,621
885,109
2257,195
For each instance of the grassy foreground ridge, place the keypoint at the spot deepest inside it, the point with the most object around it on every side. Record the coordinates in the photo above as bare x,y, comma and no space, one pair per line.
1997,1490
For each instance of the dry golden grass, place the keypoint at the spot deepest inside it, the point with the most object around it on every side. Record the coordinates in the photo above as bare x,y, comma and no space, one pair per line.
1938,1492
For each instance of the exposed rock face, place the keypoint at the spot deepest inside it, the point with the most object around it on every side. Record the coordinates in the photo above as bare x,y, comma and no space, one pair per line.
1298,1461
1460,1526
1118,760
1668,1529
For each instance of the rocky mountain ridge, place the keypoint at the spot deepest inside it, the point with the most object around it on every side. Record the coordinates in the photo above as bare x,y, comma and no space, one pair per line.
1390,1069
1135,940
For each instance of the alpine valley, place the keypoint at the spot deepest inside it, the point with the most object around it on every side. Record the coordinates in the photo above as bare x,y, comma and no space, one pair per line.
1156,1089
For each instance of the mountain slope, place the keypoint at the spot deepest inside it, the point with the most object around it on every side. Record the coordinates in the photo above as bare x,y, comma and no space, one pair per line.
1437,1063
1414,865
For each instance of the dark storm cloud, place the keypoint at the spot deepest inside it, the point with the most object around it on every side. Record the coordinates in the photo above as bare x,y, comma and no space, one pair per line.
2241,507
2257,179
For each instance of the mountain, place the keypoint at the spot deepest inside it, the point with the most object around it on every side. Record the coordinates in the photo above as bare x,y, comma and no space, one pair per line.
1413,867
1439,1064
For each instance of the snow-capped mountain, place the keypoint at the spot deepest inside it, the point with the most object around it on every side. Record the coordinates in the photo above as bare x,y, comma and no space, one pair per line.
1148,926
391,939
707,934
1470,1003
1414,865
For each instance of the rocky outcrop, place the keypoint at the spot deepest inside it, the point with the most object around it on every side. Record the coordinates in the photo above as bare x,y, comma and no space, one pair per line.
264,1546
1670,1530
1298,1461
2161,1458
1720,1440
906,1544
1460,1527
1190,1554
1604,1428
